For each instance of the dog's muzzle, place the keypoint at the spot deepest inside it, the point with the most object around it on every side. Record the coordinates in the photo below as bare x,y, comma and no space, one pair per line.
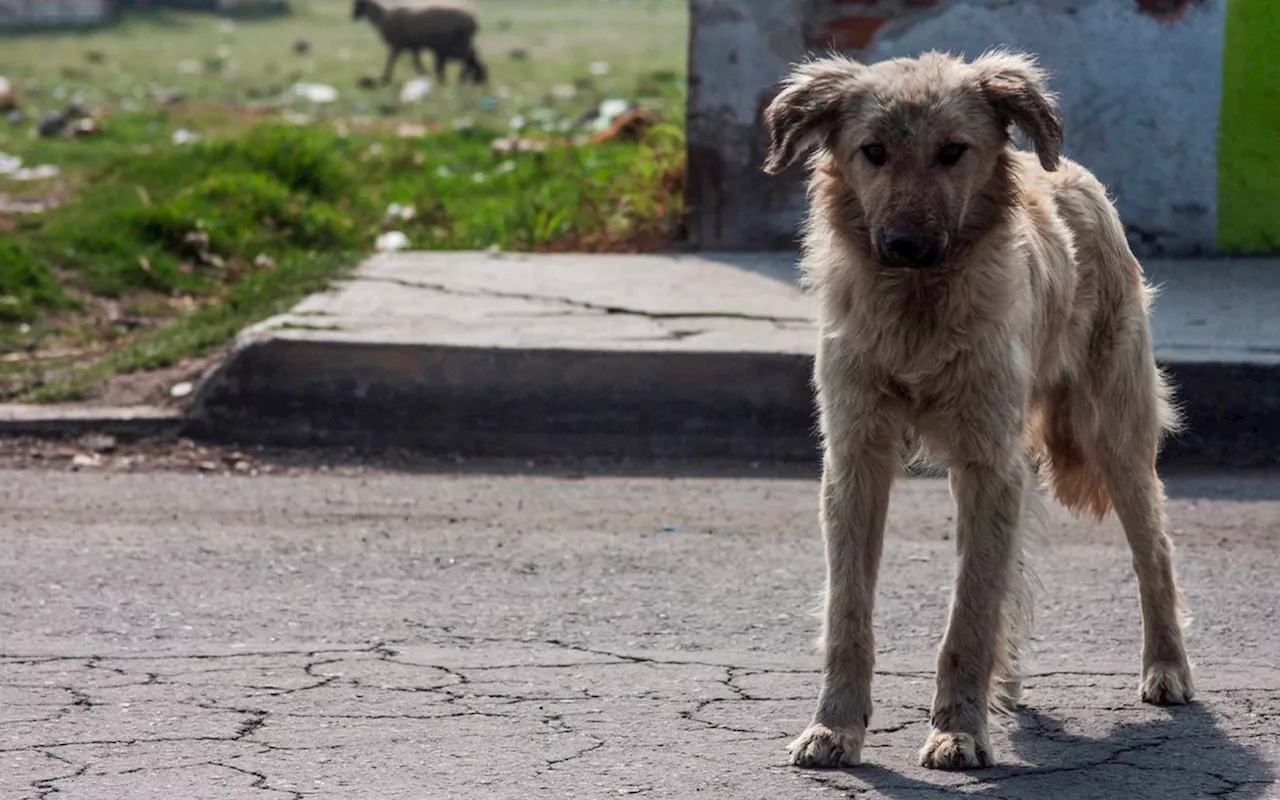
910,249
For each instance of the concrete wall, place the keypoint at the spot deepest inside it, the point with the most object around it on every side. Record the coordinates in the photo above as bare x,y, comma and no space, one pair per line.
1141,87
737,50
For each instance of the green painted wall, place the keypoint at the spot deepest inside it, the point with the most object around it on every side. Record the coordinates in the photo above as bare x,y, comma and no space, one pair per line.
1249,143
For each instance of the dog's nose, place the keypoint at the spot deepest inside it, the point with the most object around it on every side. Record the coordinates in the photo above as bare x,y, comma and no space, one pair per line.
906,246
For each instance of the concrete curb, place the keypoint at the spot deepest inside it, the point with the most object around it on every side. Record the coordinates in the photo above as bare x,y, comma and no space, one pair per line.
496,402
69,421
515,393
480,402
631,356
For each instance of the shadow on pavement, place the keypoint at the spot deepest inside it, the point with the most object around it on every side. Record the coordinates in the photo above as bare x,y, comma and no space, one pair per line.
780,266
1185,755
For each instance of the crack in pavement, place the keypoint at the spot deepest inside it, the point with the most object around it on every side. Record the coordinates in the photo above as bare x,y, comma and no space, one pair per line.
584,305
260,779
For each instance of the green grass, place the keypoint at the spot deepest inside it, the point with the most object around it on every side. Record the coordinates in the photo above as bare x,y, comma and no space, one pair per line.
531,47
160,252
1249,147
190,222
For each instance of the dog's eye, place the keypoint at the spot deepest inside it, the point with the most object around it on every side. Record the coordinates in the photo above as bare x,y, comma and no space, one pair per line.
950,153
876,154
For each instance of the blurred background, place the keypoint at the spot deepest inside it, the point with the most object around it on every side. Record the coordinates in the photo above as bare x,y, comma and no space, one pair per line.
172,170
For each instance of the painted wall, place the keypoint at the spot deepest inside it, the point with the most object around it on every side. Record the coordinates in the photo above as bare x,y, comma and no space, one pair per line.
1249,148
1175,104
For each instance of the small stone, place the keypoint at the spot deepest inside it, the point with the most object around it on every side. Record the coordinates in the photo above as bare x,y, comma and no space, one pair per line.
392,241
207,466
98,442
86,460
182,389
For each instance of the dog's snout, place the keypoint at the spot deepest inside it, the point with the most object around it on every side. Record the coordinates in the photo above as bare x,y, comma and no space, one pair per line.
907,245
904,247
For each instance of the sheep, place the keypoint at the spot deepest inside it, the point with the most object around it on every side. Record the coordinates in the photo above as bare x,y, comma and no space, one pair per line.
447,29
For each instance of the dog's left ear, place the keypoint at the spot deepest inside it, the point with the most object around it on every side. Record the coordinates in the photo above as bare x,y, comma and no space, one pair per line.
1018,90
807,110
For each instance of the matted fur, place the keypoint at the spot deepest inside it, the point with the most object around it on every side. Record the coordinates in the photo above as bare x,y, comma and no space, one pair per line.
984,302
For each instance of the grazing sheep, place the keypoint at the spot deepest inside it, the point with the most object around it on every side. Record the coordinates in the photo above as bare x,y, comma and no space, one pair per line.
447,29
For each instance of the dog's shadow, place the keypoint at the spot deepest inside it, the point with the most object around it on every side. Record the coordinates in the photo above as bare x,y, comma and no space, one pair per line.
1186,754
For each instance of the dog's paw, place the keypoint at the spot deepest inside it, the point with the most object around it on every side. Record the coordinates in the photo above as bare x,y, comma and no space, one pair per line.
956,751
820,746
1165,684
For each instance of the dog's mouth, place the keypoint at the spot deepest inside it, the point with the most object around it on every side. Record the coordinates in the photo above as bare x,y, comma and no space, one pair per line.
911,249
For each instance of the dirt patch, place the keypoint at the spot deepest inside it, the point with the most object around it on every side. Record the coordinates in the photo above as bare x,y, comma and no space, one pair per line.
96,452
155,387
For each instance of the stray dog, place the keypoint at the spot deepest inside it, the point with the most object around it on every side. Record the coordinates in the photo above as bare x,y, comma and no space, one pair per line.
982,302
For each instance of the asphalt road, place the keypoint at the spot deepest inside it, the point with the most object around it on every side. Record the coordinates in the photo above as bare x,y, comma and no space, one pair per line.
470,636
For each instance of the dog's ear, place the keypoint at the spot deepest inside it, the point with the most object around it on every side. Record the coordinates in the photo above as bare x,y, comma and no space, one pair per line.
1017,88
807,109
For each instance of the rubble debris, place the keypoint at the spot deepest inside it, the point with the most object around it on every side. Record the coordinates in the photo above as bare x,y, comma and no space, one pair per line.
517,144
415,90
98,442
400,211
392,241
315,92
8,95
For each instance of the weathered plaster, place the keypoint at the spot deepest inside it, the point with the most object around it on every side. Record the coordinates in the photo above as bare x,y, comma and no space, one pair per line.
738,50
1140,97
1140,85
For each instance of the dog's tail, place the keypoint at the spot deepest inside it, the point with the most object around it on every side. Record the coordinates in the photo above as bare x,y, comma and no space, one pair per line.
1064,468
1018,609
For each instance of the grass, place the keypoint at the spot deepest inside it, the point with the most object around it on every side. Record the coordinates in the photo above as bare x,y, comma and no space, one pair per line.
540,55
159,252
1249,149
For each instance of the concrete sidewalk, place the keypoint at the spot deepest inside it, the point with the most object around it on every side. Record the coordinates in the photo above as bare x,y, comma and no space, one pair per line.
652,355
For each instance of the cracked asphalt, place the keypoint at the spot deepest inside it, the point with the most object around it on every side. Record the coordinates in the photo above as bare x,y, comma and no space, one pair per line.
451,635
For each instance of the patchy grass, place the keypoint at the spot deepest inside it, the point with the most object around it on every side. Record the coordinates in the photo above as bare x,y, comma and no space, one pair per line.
156,252
196,241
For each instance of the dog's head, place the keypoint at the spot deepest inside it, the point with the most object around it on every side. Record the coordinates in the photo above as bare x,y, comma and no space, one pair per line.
917,142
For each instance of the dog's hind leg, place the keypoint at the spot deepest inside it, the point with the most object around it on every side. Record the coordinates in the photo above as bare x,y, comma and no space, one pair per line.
1128,431
990,500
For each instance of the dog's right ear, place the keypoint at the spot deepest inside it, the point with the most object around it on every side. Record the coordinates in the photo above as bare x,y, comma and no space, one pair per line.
807,109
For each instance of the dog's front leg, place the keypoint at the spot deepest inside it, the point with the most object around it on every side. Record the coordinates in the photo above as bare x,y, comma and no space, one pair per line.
989,506
855,499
